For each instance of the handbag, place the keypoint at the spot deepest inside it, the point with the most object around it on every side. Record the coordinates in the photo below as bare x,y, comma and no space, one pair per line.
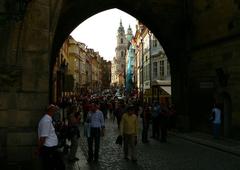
212,117
119,140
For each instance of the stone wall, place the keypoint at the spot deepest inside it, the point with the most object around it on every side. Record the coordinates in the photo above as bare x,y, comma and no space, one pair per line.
215,41
24,79
204,83
198,37
213,20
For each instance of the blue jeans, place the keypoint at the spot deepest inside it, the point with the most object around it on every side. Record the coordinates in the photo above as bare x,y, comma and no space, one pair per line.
216,130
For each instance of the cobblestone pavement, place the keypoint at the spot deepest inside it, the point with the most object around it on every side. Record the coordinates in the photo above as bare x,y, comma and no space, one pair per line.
176,154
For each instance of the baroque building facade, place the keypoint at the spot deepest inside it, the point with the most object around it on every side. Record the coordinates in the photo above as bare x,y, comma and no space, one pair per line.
79,70
141,63
152,69
119,61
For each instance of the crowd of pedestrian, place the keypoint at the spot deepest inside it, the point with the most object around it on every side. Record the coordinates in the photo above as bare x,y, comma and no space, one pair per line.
62,121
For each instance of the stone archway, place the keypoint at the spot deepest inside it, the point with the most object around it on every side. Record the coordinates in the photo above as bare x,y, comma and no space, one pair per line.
170,27
32,46
198,36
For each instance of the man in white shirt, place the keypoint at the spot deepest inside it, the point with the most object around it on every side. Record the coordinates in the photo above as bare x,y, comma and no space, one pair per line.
48,141
216,111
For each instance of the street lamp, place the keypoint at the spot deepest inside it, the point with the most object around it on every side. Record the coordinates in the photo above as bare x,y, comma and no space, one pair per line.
150,63
142,71
63,68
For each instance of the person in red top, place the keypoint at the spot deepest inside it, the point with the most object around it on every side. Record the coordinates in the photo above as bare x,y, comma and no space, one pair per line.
74,133
85,109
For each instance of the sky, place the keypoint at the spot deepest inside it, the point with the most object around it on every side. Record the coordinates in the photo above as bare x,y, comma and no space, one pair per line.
99,31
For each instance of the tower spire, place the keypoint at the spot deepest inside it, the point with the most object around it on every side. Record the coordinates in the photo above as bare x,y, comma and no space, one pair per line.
121,29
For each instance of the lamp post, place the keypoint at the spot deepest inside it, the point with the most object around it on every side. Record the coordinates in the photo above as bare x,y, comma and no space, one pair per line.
63,68
150,64
142,71
124,73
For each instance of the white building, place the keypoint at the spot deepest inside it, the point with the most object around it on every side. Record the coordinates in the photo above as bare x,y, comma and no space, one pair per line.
152,66
119,61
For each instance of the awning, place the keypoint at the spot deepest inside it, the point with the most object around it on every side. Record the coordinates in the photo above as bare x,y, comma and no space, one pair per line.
167,89
161,83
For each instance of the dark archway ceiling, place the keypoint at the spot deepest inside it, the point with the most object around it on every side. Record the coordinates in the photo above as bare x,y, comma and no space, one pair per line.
165,18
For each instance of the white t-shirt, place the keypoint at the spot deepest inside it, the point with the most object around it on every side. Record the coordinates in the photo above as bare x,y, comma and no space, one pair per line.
217,118
46,129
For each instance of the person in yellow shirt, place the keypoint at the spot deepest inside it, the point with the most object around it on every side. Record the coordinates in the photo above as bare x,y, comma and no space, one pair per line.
129,131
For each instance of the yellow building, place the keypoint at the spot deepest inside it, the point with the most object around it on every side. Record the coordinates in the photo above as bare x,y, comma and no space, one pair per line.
74,63
60,71
94,72
77,70
83,67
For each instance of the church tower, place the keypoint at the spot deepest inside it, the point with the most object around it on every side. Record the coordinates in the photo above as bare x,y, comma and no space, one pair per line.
129,34
119,61
121,49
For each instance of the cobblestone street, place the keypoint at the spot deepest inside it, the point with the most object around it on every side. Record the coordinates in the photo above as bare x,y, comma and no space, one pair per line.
176,154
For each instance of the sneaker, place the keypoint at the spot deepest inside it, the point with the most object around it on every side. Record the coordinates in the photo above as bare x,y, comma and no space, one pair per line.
163,140
72,160
145,141
134,160
89,160
96,160
76,159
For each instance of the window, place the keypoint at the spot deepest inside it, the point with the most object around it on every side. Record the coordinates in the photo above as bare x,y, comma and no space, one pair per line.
154,70
145,74
76,62
122,54
168,69
155,42
161,69
146,58
148,72
121,41
75,77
